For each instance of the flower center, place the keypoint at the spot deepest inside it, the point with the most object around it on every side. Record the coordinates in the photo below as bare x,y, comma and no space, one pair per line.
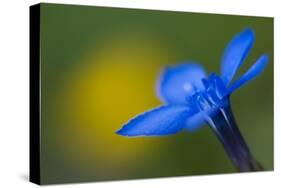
212,98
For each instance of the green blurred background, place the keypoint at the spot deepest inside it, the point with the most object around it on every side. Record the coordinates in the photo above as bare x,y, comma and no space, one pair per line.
99,67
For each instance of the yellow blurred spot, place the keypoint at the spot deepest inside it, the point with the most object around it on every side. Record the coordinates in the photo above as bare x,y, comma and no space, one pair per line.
115,82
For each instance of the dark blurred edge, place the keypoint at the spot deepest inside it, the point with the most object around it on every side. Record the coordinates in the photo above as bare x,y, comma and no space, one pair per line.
34,142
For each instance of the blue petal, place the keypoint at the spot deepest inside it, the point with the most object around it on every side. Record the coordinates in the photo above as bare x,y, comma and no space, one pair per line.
253,72
195,122
235,53
164,120
179,82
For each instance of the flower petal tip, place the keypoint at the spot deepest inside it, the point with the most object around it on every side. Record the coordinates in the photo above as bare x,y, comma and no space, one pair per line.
249,31
119,131
265,58
122,132
235,53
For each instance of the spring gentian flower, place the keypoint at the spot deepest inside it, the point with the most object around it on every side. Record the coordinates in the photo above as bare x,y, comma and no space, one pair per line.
192,99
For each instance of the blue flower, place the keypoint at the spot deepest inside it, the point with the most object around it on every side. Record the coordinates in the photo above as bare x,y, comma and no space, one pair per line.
191,99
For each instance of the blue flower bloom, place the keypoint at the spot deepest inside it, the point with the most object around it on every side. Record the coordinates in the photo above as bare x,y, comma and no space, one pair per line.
191,99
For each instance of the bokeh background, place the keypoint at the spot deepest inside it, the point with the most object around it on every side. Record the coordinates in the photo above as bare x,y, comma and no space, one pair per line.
99,67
